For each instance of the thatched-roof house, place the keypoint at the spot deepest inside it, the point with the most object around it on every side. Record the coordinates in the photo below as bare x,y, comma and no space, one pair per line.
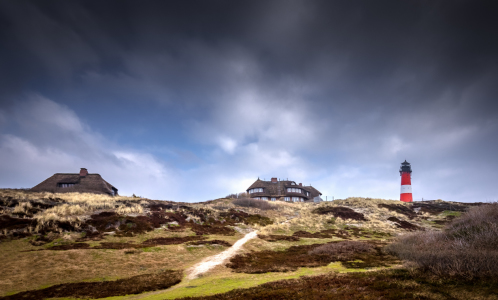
283,190
76,183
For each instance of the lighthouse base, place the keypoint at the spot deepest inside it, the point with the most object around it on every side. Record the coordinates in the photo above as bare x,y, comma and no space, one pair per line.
406,197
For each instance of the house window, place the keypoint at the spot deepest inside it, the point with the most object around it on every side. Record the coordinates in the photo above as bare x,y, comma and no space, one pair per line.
257,198
273,199
264,198
65,185
286,198
295,199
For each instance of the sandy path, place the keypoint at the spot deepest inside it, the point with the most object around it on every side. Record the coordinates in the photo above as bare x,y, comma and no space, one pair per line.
212,261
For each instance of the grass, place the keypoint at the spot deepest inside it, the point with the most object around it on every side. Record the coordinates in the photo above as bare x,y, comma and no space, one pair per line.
383,284
447,213
31,270
99,289
221,280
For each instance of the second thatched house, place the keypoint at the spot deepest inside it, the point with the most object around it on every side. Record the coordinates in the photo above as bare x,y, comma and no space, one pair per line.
283,190
76,183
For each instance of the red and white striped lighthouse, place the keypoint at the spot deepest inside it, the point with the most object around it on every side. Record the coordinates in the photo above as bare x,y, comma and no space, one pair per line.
406,182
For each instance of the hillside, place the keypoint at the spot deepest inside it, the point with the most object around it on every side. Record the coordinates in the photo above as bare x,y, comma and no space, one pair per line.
94,246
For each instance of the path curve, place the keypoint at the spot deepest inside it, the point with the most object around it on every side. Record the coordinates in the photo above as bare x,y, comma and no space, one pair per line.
210,262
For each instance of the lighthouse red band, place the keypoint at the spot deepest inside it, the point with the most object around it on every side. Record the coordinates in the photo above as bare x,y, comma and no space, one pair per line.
406,183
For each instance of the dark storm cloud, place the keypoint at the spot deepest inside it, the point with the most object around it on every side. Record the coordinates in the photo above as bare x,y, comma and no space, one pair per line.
398,54
366,82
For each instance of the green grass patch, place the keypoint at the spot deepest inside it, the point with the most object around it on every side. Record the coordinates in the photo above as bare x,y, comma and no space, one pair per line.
451,213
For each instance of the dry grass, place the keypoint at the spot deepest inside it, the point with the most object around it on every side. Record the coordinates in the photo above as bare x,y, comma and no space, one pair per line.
88,200
377,216
65,213
70,208
22,208
124,210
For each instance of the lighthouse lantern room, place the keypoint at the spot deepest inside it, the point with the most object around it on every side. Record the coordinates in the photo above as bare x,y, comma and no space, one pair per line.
406,182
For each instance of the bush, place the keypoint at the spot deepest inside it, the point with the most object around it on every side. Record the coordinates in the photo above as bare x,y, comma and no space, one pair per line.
467,247
340,212
346,248
248,202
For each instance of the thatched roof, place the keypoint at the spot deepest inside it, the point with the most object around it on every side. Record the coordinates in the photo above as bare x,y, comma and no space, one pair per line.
79,183
278,188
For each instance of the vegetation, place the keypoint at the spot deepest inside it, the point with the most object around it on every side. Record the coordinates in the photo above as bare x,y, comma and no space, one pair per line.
467,247
370,255
133,285
249,202
386,284
64,240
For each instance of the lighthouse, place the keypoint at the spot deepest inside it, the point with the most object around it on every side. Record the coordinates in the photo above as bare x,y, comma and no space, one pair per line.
406,182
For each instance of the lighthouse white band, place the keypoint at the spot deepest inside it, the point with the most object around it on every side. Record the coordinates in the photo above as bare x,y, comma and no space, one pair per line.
406,189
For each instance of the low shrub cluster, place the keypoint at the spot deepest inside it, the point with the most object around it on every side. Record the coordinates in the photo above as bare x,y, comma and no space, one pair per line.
467,247
212,242
249,202
146,244
351,255
400,209
133,285
346,248
404,224
340,212
277,237
387,284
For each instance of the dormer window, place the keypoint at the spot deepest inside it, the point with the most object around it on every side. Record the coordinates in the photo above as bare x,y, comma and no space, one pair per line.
257,190
293,190
65,185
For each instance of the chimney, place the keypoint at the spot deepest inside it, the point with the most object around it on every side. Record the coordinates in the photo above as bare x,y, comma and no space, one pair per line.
300,184
274,179
83,172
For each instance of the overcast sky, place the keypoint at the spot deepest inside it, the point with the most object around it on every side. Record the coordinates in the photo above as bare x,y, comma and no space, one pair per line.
193,100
